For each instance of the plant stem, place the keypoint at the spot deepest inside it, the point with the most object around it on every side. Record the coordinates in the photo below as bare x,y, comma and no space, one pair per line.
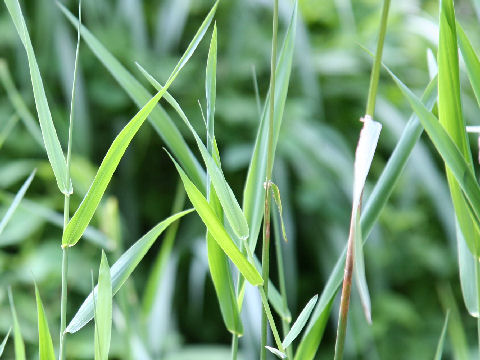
347,279
281,280
345,299
270,155
234,346
66,207
374,76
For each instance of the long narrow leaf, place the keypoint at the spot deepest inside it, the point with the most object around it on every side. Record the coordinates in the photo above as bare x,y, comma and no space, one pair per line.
451,117
103,311
50,138
217,259
45,344
122,269
84,213
300,322
158,117
17,332
4,342
16,201
225,194
216,228
441,340
472,62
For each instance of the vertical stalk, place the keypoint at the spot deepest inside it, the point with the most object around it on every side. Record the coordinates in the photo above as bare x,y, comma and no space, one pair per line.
372,91
370,110
266,218
234,346
477,279
66,207
281,280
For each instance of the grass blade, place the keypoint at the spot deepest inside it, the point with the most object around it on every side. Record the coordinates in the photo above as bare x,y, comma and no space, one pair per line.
441,340
17,332
7,129
50,138
448,151
16,201
122,269
217,260
84,213
451,118
216,228
4,342
254,192
299,324
103,311
225,194
158,117
468,281
472,62
45,345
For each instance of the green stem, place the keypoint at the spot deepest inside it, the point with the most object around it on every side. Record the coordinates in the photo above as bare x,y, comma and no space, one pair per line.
234,346
372,91
66,207
281,279
270,156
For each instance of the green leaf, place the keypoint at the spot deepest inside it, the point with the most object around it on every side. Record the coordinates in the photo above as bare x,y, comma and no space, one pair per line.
45,345
103,311
471,60
217,260
468,281
300,322
158,117
16,201
7,128
84,213
216,228
225,194
451,118
122,269
4,342
52,144
441,340
314,333
449,152
254,192
17,332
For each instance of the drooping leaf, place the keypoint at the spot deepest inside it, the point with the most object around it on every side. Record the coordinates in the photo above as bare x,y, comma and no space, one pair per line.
17,332
159,118
230,205
85,211
50,138
216,228
16,201
122,269
363,159
299,324
45,344
103,311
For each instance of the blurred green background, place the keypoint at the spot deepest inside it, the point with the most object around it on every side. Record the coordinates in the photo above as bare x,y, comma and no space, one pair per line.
411,255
